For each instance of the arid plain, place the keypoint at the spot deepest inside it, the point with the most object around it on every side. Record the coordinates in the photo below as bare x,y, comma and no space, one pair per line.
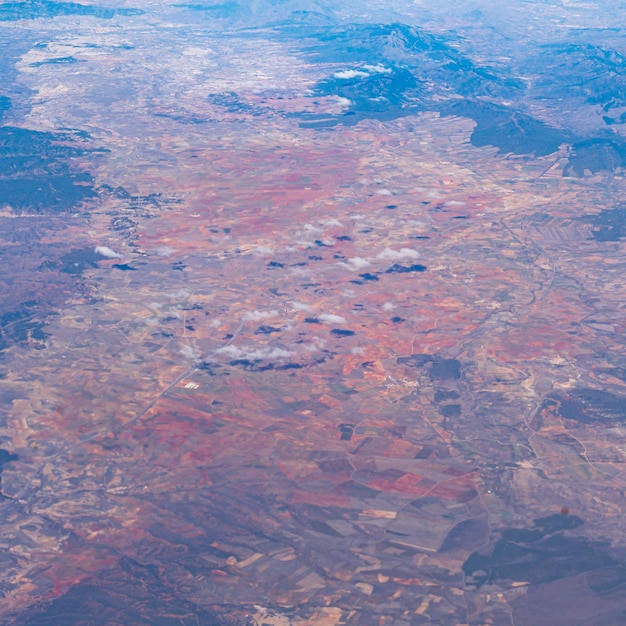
278,373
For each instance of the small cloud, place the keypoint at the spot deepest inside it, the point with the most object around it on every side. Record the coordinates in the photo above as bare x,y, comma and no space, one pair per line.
357,350
389,306
333,222
263,251
256,316
396,255
230,351
378,69
301,306
347,74
317,343
274,353
164,251
330,318
105,251
312,229
383,192
356,263
299,271
267,354
181,294
344,102
189,353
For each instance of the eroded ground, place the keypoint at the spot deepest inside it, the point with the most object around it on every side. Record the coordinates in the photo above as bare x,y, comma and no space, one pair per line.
259,370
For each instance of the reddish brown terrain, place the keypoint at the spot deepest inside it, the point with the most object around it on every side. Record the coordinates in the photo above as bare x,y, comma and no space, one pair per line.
275,373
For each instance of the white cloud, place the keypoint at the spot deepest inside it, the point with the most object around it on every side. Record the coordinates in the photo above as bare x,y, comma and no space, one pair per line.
257,316
301,306
164,251
396,255
331,318
378,69
317,343
274,353
263,250
230,351
107,252
181,294
312,229
268,354
356,263
189,353
389,306
346,74
333,222
299,271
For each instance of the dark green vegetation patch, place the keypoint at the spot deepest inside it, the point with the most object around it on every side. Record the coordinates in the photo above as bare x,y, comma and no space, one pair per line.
593,74
35,172
225,9
542,554
508,129
609,225
130,593
590,406
595,155
395,70
12,11
373,92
